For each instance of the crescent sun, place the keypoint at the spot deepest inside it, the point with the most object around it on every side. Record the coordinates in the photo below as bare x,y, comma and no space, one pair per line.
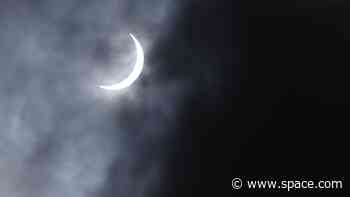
135,72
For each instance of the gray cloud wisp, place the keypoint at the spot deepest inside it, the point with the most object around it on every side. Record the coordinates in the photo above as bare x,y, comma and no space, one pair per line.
59,133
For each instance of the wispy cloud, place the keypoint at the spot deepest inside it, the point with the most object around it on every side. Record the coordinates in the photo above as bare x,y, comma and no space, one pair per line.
59,134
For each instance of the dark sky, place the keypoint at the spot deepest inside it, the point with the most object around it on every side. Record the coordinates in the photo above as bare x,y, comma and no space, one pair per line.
289,120
293,100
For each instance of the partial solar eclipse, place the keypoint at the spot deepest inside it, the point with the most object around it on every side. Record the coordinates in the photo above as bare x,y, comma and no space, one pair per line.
137,69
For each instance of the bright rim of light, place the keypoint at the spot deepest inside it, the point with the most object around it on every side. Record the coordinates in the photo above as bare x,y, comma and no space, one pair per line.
134,74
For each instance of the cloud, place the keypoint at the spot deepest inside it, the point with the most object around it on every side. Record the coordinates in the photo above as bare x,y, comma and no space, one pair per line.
60,135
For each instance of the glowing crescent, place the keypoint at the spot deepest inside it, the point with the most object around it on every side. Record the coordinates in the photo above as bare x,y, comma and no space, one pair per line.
134,74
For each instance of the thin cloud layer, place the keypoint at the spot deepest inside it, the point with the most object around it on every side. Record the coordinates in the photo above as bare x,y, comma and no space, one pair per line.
60,135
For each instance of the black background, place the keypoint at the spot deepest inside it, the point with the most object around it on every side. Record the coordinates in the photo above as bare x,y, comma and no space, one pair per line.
282,110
